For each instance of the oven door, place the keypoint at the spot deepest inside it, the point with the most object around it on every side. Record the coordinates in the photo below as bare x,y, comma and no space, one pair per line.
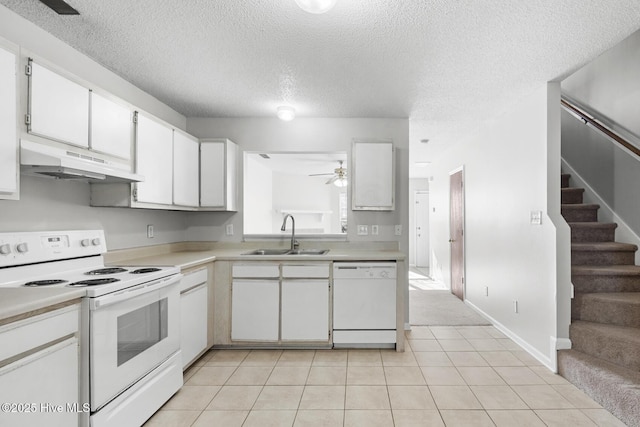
131,332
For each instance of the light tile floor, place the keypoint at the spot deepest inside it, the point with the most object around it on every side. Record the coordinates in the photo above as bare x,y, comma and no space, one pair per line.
448,376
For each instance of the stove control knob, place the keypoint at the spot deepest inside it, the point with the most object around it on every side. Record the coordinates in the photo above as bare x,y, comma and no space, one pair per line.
22,248
85,242
5,249
95,242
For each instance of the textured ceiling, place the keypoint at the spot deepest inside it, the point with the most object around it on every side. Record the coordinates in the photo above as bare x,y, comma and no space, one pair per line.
445,64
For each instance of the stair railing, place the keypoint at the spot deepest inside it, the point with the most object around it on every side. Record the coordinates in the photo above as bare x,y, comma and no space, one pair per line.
589,120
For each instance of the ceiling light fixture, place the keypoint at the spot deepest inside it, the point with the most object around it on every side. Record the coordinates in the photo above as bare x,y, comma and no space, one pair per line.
286,113
340,182
316,6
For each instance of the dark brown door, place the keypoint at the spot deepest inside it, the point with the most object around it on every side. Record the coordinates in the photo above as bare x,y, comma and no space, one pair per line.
456,239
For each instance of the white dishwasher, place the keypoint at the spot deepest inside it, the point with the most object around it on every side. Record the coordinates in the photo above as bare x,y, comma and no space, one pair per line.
364,304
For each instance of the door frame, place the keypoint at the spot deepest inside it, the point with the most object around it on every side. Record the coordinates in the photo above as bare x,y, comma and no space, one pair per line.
462,265
415,223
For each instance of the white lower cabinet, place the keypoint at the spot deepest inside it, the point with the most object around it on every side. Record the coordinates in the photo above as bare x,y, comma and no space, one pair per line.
305,310
39,385
286,303
255,309
193,315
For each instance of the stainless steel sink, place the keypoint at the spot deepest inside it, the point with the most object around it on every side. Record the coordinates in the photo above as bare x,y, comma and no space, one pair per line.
287,252
308,252
267,252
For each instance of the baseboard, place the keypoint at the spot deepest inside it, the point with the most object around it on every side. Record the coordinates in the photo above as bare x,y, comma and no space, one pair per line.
545,360
624,233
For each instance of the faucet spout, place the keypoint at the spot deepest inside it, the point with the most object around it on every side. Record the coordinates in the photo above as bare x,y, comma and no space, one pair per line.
293,229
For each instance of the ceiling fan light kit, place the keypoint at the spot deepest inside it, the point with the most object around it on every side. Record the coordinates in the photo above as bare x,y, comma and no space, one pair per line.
316,6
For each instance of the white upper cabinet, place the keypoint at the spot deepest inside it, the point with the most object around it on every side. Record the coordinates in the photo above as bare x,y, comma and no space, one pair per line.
154,160
218,174
185,170
372,176
8,125
58,107
111,127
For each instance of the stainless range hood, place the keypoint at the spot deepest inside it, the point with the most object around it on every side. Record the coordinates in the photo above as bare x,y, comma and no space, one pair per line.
48,161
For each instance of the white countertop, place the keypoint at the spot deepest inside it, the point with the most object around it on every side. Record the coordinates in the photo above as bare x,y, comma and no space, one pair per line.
27,301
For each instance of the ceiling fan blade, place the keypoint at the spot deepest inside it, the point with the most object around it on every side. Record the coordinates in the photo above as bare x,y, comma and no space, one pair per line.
320,174
331,180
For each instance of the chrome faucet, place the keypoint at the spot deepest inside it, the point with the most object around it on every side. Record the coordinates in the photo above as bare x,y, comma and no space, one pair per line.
294,244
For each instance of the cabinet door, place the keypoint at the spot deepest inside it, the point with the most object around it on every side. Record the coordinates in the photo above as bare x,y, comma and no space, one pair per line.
193,323
218,183
111,127
8,124
254,310
305,310
154,160
58,107
186,189
372,173
45,379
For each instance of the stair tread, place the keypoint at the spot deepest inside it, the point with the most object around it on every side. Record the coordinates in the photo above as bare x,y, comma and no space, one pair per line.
580,206
618,374
605,270
592,224
604,246
625,333
617,297
614,387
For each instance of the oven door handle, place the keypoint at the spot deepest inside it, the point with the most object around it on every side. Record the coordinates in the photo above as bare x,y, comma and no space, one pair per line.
133,292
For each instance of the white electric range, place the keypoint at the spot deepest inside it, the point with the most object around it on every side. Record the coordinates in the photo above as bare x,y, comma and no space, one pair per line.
130,320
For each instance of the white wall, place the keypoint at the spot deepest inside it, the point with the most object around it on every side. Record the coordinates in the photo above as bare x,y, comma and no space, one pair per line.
302,134
609,88
505,170
259,197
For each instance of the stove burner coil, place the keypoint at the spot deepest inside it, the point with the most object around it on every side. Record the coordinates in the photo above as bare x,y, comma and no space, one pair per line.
108,270
95,282
145,270
36,283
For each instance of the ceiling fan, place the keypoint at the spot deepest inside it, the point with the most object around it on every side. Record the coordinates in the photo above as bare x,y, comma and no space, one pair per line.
339,178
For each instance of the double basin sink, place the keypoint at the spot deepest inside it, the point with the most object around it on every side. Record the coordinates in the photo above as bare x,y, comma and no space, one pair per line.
287,252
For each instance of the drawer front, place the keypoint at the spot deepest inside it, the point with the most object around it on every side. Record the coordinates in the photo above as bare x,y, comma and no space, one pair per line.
256,270
311,271
193,278
27,334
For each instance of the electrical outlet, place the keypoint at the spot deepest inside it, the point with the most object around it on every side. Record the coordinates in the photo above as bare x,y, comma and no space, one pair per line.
374,230
150,231
363,230
229,230
399,230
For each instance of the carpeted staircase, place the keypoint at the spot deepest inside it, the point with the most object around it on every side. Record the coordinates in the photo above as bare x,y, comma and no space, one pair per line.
605,313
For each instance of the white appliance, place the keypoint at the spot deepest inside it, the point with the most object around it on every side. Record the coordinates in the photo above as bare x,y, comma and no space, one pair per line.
364,304
130,361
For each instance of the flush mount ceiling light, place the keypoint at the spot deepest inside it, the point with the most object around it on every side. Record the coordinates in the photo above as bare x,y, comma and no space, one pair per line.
316,6
286,113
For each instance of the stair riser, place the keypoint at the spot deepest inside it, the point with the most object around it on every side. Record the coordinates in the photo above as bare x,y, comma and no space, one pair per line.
595,284
572,196
621,398
579,215
609,312
602,258
597,344
564,180
580,235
